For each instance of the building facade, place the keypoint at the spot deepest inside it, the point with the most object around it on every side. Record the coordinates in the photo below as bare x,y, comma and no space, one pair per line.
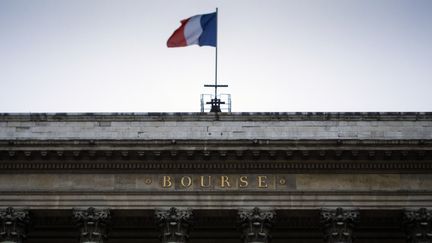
216,177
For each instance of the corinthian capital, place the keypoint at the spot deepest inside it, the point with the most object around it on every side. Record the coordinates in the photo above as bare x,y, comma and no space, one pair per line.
175,224
256,225
13,224
339,224
418,225
92,223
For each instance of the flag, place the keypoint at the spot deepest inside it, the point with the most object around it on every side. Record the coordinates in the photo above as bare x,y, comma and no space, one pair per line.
197,30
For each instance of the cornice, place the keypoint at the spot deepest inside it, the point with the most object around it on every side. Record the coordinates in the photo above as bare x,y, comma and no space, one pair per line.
10,143
155,155
177,156
236,116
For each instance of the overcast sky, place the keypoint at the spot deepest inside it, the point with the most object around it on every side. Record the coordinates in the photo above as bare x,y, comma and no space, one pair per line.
276,55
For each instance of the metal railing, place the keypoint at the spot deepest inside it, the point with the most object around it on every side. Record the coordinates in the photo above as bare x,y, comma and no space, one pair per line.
225,107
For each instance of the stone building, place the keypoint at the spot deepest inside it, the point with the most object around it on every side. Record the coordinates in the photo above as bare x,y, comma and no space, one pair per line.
216,177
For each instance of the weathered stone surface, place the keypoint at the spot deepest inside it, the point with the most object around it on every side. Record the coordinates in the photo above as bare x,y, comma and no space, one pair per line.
232,182
341,182
225,126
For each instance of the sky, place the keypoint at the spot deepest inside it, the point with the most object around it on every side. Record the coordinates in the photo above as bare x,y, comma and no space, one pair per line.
275,55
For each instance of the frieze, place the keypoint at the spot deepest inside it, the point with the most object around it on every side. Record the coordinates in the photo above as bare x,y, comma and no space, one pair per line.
241,182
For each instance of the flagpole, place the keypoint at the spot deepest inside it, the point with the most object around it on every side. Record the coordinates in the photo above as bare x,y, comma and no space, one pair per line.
216,55
215,102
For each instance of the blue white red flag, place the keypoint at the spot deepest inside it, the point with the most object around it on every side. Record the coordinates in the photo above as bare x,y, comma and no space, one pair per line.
197,30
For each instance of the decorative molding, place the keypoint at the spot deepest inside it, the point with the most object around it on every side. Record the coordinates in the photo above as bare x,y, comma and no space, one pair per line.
256,225
401,156
220,166
174,224
418,225
13,224
92,223
338,224
134,199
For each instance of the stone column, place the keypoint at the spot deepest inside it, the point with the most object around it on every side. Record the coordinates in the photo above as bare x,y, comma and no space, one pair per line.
339,224
418,225
13,225
256,225
174,224
92,223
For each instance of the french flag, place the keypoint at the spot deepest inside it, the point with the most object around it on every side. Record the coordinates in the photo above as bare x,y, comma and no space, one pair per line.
196,30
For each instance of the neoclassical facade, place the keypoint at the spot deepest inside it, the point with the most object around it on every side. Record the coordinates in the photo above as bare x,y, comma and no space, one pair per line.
216,177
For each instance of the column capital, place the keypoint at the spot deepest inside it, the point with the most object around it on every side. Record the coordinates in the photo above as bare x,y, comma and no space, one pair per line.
256,225
174,224
13,224
418,225
92,223
339,224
